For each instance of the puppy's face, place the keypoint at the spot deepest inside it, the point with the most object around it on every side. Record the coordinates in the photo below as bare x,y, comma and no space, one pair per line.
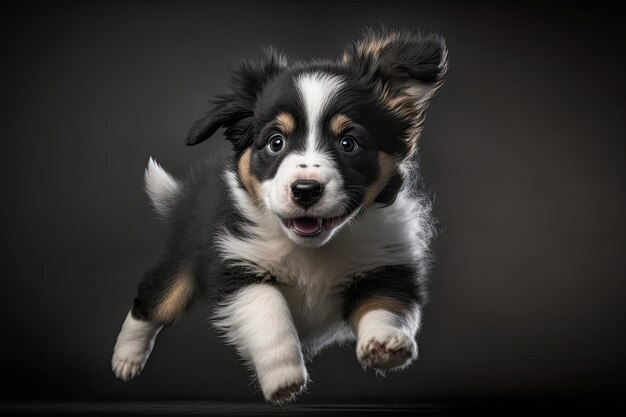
316,143
320,151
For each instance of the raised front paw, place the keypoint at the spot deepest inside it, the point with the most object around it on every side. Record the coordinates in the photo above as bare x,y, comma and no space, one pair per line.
386,348
282,383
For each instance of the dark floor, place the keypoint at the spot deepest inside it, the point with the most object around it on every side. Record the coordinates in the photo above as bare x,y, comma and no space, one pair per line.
217,409
207,408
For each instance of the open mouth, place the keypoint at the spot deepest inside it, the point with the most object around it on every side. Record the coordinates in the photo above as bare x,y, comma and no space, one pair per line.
312,226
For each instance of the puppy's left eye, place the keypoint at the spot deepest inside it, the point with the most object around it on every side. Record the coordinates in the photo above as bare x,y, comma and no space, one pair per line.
276,143
348,144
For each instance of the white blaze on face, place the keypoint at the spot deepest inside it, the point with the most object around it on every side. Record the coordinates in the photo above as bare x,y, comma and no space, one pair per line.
316,91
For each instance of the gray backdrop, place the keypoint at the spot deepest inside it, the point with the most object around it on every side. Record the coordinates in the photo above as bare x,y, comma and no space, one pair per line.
523,150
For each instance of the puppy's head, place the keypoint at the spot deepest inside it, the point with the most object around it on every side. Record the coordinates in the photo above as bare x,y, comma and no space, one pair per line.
316,142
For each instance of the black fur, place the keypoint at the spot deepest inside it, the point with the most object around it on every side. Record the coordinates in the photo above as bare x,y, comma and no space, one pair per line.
423,58
235,110
403,283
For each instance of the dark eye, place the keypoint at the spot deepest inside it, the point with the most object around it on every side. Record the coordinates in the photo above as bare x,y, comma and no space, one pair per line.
276,143
348,144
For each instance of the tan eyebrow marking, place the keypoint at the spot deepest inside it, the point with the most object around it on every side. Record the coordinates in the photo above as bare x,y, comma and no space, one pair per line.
286,122
338,123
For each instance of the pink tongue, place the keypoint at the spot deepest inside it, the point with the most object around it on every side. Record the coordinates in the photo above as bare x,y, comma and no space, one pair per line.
306,226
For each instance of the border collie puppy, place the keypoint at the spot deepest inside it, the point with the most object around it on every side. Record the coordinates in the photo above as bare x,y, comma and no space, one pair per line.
314,230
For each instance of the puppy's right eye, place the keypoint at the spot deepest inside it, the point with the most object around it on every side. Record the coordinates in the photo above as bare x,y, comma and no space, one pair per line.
276,143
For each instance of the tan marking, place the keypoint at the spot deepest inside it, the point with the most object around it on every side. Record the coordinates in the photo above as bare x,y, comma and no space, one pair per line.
338,124
286,123
407,103
370,46
250,182
387,166
345,58
377,303
175,302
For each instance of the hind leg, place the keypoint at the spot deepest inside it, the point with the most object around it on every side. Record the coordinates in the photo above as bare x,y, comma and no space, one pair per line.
133,347
164,294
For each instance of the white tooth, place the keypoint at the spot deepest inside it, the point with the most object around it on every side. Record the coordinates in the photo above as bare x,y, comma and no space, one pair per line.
319,222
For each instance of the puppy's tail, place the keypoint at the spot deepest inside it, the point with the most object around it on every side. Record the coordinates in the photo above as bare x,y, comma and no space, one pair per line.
162,188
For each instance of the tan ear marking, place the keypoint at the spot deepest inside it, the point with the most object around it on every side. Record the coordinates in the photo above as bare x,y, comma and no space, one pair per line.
175,302
377,303
286,123
371,46
387,167
250,182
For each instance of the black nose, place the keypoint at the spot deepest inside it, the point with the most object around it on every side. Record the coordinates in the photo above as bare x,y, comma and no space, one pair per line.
306,192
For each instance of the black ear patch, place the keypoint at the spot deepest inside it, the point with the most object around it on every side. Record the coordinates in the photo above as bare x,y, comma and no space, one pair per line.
227,110
405,70
235,109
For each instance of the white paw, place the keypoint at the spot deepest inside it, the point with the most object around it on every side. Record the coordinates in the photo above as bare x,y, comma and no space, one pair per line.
133,347
283,383
386,348
129,358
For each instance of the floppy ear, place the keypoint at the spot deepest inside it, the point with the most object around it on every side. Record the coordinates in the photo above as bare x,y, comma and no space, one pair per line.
235,109
405,71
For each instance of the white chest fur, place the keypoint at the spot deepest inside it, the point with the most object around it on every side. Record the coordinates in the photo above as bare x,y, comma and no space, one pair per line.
312,279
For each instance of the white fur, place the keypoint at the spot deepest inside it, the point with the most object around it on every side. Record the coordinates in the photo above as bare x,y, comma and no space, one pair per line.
313,278
133,347
161,187
317,90
276,193
258,322
385,340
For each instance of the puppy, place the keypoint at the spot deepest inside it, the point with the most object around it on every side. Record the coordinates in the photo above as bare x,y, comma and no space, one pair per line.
314,230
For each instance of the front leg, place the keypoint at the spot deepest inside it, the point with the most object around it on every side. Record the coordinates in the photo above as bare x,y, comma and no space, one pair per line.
386,333
384,311
257,320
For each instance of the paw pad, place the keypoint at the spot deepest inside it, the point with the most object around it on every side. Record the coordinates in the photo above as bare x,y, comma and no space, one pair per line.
388,349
